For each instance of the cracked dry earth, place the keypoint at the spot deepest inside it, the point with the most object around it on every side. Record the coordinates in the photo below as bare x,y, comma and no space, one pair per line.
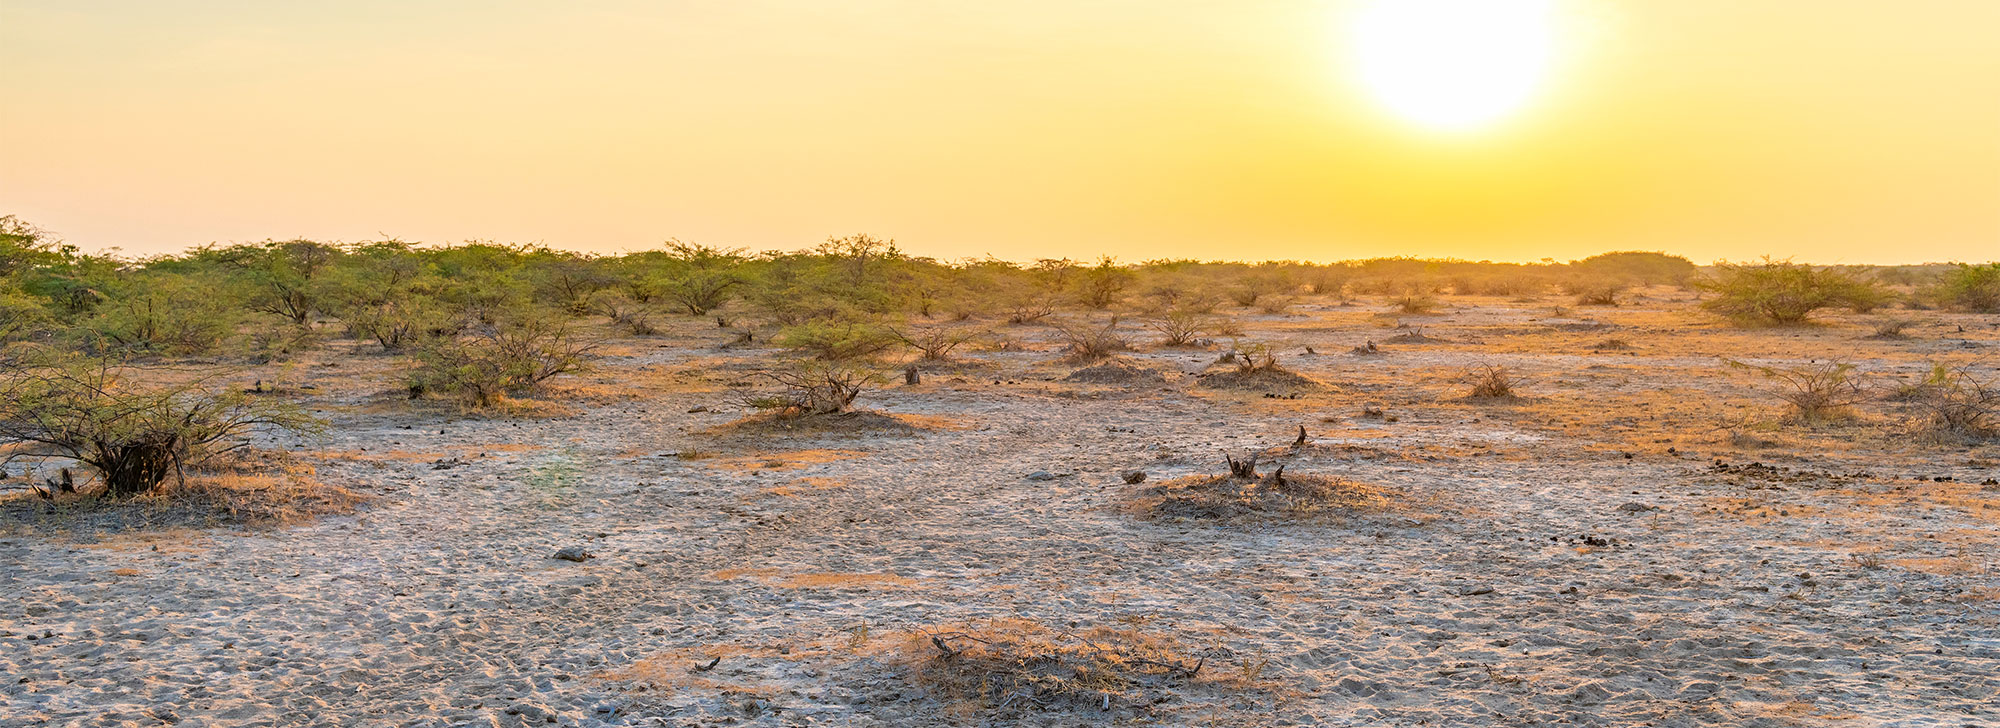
1527,573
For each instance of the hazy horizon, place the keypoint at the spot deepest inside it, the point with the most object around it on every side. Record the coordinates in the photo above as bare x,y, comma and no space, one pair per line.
1830,132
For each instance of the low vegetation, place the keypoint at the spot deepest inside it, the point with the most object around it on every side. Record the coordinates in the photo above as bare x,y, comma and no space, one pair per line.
1786,293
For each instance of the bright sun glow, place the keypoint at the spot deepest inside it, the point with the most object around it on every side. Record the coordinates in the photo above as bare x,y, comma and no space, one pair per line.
1454,65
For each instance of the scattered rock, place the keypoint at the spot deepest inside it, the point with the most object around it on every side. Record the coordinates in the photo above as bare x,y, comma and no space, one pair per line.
1134,477
1041,475
1636,507
573,553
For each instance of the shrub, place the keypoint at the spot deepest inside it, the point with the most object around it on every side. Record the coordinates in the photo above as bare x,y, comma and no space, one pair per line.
1414,302
1783,292
22,316
512,358
837,340
1967,287
1181,328
1818,392
1493,382
812,387
698,290
1085,344
1892,329
934,343
1099,286
165,314
1958,405
1029,308
1595,293
133,436
624,311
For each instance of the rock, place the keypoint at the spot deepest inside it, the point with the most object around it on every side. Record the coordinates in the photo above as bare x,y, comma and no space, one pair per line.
573,553
531,713
1134,477
1473,591
1636,507
1041,475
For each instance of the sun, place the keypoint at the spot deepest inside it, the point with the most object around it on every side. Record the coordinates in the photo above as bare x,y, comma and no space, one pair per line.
1453,66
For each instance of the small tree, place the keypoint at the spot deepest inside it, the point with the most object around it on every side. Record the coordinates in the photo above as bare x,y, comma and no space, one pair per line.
1783,292
134,437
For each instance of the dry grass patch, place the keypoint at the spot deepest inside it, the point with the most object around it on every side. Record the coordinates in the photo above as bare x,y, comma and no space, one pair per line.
786,460
819,580
1012,666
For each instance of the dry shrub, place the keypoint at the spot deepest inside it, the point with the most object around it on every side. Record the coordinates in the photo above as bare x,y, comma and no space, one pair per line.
1085,344
1956,405
515,357
1244,494
1414,302
1892,329
1493,382
133,436
933,343
810,387
1180,327
1818,392
1015,665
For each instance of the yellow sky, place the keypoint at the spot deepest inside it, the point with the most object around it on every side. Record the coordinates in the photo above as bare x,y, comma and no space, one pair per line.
1856,131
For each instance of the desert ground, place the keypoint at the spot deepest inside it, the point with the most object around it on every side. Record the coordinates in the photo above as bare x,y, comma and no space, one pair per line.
1637,537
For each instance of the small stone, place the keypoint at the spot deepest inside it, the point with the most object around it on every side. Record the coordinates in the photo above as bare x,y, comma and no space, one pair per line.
1134,477
1041,475
573,553
1636,507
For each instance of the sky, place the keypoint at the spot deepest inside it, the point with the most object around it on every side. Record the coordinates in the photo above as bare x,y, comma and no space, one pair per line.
1834,131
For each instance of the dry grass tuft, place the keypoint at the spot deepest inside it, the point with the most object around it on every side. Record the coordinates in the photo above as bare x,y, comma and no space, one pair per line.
1493,382
1013,665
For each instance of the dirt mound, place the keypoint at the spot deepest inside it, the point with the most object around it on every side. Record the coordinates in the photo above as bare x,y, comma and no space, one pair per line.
1014,665
1276,495
1262,379
1116,371
858,422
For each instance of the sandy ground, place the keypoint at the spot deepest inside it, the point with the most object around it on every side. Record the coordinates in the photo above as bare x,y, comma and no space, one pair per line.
1635,541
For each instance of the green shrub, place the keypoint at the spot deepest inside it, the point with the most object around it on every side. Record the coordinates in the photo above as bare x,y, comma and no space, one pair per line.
1782,292
166,314
511,358
837,340
1967,287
